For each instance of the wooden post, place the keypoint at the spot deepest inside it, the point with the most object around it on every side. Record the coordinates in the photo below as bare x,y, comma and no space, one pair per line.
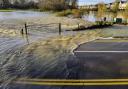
60,29
26,30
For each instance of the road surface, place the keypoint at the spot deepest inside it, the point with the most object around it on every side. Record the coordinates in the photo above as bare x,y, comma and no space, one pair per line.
105,58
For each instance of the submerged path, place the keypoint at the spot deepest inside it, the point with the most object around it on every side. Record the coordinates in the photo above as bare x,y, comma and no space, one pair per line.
101,64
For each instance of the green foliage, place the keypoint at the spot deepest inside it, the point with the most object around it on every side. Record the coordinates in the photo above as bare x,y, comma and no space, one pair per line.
7,10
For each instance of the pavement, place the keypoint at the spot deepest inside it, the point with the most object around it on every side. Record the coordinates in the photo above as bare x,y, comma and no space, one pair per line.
64,87
100,64
104,58
104,45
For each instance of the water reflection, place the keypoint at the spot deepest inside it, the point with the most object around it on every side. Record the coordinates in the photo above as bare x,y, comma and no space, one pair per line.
94,15
90,16
25,36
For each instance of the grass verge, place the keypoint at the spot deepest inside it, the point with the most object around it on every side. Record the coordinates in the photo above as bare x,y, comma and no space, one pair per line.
7,10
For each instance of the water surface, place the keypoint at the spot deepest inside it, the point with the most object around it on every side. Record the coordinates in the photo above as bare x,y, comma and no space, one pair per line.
51,62
21,15
96,16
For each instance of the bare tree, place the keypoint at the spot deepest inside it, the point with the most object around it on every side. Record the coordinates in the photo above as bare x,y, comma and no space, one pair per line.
6,3
43,4
125,13
101,10
57,4
115,6
74,3
23,4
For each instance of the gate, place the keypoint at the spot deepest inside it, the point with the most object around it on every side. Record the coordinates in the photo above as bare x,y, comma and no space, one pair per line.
49,28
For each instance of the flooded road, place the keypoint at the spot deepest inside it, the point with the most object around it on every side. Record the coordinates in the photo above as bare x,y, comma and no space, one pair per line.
43,54
67,87
17,61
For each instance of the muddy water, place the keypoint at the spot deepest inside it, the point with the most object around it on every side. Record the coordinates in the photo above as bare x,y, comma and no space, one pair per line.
17,62
20,16
10,25
50,58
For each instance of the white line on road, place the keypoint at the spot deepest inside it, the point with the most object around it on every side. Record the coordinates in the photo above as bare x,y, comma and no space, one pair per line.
101,51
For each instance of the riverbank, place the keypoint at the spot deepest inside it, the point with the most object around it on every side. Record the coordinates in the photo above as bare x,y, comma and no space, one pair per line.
67,22
14,22
7,10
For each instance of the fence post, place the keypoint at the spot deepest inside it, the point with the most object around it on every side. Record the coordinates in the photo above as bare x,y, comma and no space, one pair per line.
60,29
26,30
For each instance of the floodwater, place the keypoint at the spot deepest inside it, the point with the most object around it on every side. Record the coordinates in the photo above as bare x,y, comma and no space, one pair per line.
93,16
50,59
11,21
21,15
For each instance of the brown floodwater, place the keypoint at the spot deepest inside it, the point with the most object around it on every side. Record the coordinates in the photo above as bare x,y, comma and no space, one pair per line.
34,56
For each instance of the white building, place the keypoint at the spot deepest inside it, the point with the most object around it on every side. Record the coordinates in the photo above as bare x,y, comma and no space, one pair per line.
122,5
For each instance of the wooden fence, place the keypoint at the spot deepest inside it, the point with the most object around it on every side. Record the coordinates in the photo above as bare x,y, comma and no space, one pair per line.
52,27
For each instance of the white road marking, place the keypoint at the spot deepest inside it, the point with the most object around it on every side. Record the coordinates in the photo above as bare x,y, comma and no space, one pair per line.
101,51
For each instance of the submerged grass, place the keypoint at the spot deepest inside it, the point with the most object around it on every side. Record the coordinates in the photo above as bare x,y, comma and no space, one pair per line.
7,10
